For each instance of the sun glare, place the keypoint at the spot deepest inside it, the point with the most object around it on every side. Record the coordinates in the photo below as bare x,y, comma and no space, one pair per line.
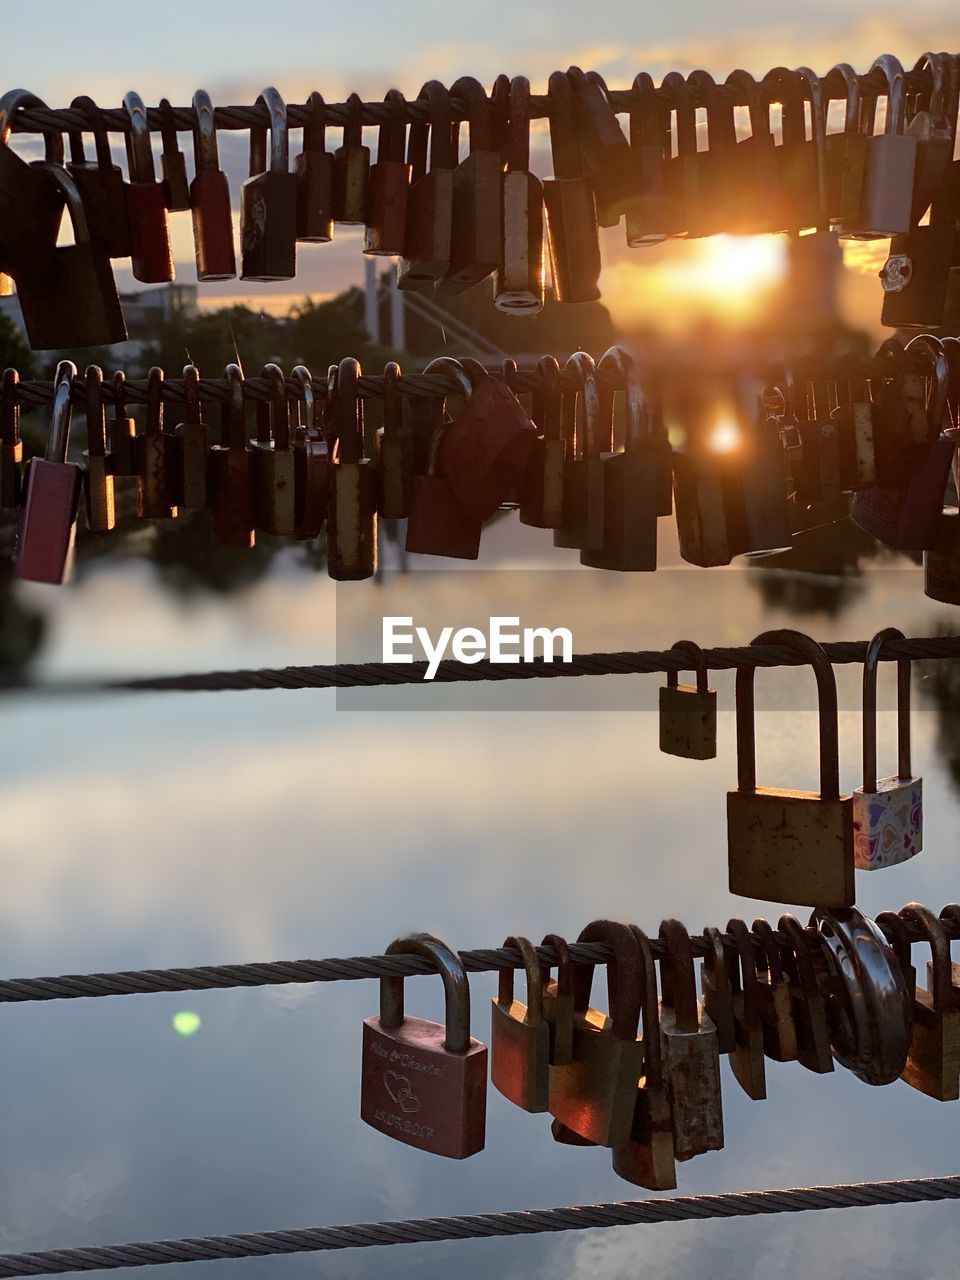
724,437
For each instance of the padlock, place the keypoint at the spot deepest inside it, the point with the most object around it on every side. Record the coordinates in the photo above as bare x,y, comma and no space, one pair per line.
520,1037
477,222
426,251
67,294
438,525
150,250
898,937
904,428
558,1002
796,156
573,239
231,471
51,495
933,1062
758,517
856,444
488,446
648,215
887,812
582,428
172,161
604,148
890,166
721,192
157,462
311,462
757,201
776,1005
595,1094
11,446
274,489
717,989
97,471
396,451
123,434
386,230
313,169
747,1059
268,200
520,275
684,197
31,204
646,1157
812,247
633,477
700,486
210,199
846,155
100,183
193,444
785,845
351,169
541,492
688,713
950,918
352,504
808,1007
916,276
934,127
691,1051
425,1083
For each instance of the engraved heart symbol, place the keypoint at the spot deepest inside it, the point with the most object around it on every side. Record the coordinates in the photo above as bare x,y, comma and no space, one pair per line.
398,1087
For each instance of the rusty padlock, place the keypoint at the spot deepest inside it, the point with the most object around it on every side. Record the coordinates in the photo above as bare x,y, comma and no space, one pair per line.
313,169
519,288
157,462
150,249
51,495
274,489
210,199
475,240
268,200
352,509
582,429
426,252
648,215
192,444
604,147
386,231
688,713
396,451
541,491
569,204
351,169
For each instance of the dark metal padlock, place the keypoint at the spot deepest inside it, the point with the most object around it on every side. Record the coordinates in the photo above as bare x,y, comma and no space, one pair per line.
604,147
97,463
231,472
313,168
846,155
721,192
192,445
268,200
520,1036
717,989
157,462
31,205
784,845
648,214
934,127
756,199
683,203
51,496
352,510
425,1083
311,462
426,251
386,231
796,156
396,451
100,183
123,432
351,169
541,492
758,517
274,487
701,486
886,207
150,250
438,525
519,289
210,199
747,1058
172,161
808,1005
688,713
68,295
11,446
569,205
477,226
582,524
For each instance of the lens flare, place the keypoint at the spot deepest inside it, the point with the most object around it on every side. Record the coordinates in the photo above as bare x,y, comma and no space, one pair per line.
725,437
186,1023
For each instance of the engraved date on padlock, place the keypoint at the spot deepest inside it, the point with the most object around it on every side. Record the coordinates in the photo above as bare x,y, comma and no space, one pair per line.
896,274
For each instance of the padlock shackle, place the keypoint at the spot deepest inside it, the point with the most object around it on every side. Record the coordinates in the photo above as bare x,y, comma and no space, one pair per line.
786,87
438,129
564,147
758,108
279,136
96,419
302,376
851,82
818,131
353,125
518,126
192,408
139,151
938,75
650,1010
812,653
277,423
715,959
392,401
698,663
348,412
95,126
206,147
619,361
678,979
897,936
721,120
10,103
154,414
801,953
564,964
10,409
582,417
870,669
456,988
392,136
895,77
447,364
479,112
934,349
686,112
233,428
531,967
624,992
743,975
168,127
922,918
315,129
61,415
547,398
768,956
72,197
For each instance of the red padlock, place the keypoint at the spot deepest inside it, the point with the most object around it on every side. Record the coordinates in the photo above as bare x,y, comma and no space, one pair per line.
150,248
48,519
210,199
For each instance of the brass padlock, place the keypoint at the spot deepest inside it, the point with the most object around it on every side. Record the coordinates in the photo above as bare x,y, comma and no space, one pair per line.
191,433
352,509
933,1062
477,225
595,1094
808,1007
520,276
274,488
558,1002
717,989
396,451
691,1050
386,230
582,428
571,215
150,249
646,1157
747,1059
172,161
311,462
890,168
846,155
268,200
351,169
425,1083
520,1037
31,205
776,1004
426,251
541,492
605,149
210,199
648,216
688,713
756,197
785,845
313,169
683,169
887,813
157,463
11,446
97,473
231,471
100,183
